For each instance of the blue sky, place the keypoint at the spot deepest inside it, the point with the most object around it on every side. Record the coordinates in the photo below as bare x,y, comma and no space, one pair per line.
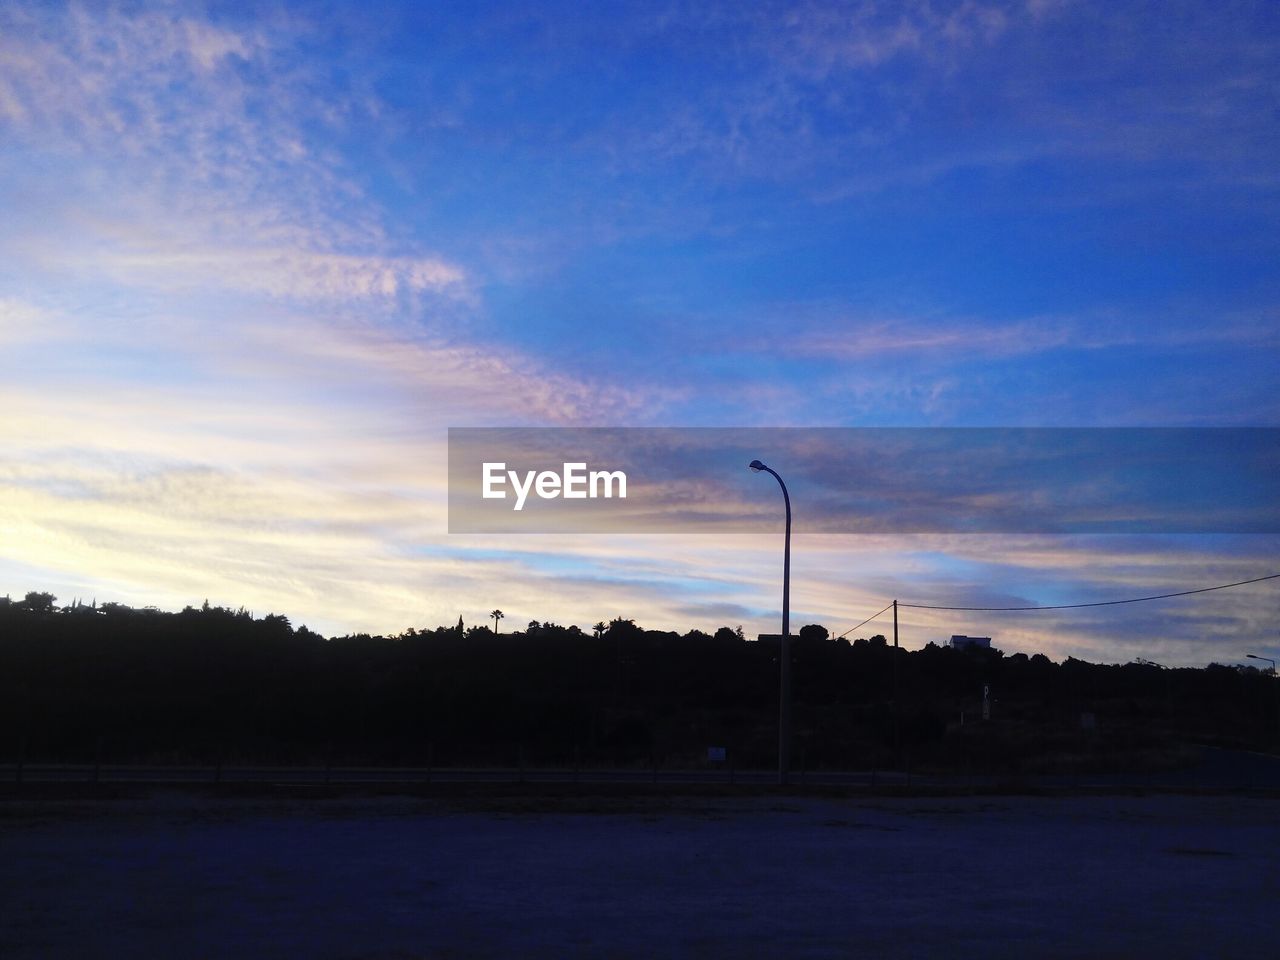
257,259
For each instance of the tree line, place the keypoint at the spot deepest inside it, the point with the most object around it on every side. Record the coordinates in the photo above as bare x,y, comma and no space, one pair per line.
211,684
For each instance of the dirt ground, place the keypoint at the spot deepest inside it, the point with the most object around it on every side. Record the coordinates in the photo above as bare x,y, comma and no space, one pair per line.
182,877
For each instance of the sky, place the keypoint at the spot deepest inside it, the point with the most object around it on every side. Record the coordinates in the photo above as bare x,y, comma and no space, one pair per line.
257,259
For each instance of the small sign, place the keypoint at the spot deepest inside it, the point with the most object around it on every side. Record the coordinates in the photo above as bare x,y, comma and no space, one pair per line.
716,754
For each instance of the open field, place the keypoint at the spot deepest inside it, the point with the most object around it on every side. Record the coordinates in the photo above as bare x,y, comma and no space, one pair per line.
172,875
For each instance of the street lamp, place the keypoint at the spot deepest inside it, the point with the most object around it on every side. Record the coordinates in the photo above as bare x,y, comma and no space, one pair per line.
784,645
1253,656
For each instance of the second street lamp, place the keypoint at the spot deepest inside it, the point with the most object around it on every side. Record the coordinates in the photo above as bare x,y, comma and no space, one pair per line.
784,645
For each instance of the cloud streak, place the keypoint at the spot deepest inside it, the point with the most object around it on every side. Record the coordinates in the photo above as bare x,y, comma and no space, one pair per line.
285,273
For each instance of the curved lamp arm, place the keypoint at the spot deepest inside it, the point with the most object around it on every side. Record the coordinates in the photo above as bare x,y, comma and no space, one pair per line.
784,651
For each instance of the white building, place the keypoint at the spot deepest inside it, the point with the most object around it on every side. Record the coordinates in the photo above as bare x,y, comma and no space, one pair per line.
961,642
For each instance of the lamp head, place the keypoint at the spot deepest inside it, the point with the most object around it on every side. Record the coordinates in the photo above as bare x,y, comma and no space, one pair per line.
756,466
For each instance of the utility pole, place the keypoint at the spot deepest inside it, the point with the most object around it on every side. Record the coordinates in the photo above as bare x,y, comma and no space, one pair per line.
897,743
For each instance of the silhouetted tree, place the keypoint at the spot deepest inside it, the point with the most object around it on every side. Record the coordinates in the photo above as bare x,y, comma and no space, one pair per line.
39,602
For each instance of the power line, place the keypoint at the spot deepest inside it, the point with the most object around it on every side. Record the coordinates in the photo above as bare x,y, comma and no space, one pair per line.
1063,606
1099,603
864,622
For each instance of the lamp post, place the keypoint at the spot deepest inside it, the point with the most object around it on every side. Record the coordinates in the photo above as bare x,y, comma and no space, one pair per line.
1253,656
784,645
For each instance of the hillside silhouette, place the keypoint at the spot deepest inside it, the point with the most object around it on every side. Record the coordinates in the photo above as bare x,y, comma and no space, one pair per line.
116,684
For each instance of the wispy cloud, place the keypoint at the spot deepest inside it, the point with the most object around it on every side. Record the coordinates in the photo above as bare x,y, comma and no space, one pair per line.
853,335
161,84
815,86
174,129
841,100
293,274
22,322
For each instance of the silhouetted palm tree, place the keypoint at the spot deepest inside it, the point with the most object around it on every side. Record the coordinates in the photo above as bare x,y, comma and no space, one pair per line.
497,615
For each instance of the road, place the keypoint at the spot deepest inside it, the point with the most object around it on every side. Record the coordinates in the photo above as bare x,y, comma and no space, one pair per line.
1217,770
